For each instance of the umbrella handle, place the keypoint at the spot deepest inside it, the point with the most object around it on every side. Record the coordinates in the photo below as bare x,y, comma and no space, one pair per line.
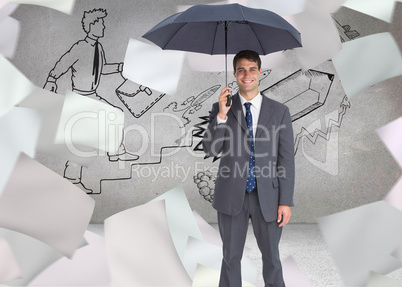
229,100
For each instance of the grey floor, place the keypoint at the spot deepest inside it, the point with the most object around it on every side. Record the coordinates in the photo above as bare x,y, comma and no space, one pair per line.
306,245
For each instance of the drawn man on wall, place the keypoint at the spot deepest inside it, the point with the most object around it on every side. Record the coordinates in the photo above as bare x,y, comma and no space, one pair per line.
87,62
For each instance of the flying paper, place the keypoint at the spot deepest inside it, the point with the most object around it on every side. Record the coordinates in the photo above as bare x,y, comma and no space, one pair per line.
292,275
391,136
329,6
65,6
88,267
282,8
9,269
362,240
140,248
6,9
153,67
14,86
38,202
396,30
200,252
51,106
9,31
285,7
210,234
216,63
31,255
379,9
366,61
398,252
205,276
394,197
20,131
378,280
320,37
182,223
91,123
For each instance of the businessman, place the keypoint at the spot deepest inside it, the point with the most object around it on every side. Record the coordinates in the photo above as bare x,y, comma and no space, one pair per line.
87,62
254,138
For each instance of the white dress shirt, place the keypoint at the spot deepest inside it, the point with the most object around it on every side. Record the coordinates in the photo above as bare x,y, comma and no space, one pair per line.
255,109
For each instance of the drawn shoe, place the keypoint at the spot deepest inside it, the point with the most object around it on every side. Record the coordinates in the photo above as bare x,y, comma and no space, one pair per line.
123,155
82,186
77,181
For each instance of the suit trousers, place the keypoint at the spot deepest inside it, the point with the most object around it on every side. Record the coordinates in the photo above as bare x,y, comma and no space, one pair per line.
233,230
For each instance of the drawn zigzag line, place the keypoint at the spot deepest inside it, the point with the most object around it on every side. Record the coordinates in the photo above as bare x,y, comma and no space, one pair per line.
319,133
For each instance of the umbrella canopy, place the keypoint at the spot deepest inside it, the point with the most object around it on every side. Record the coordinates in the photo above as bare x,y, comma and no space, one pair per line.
224,29
201,28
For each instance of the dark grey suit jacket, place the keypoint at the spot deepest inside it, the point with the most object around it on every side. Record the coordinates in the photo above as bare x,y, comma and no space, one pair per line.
274,157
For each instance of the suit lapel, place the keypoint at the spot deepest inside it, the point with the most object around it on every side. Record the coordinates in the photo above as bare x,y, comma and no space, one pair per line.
265,114
237,111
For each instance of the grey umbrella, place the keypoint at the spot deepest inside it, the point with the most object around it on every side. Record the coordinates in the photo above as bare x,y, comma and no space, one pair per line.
224,29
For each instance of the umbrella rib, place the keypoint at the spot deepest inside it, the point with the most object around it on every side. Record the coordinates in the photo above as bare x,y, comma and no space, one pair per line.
262,47
171,38
216,31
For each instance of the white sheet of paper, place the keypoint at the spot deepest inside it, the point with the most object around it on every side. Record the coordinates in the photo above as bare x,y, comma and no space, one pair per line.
394,197
9,31
88,267
9,269
391,136
398,252
216,63
91,123
14,86
285,7
282,8
20,129
210,234
320,37
51,106
208,63
181,221
7,9
362,239
378,280
366,61
153,67
140,248
396,25
379,9
292,274
45,206
330,6
201,252
65,6
31,254
209,277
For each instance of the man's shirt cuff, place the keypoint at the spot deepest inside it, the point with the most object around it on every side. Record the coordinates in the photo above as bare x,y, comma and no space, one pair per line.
220,121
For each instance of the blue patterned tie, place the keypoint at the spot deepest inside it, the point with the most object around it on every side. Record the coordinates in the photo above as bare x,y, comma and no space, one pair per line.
251,184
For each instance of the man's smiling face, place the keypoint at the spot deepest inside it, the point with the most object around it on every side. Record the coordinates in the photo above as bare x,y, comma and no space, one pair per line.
247,75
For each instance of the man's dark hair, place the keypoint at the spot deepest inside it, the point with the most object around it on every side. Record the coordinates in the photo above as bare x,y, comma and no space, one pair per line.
249,55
